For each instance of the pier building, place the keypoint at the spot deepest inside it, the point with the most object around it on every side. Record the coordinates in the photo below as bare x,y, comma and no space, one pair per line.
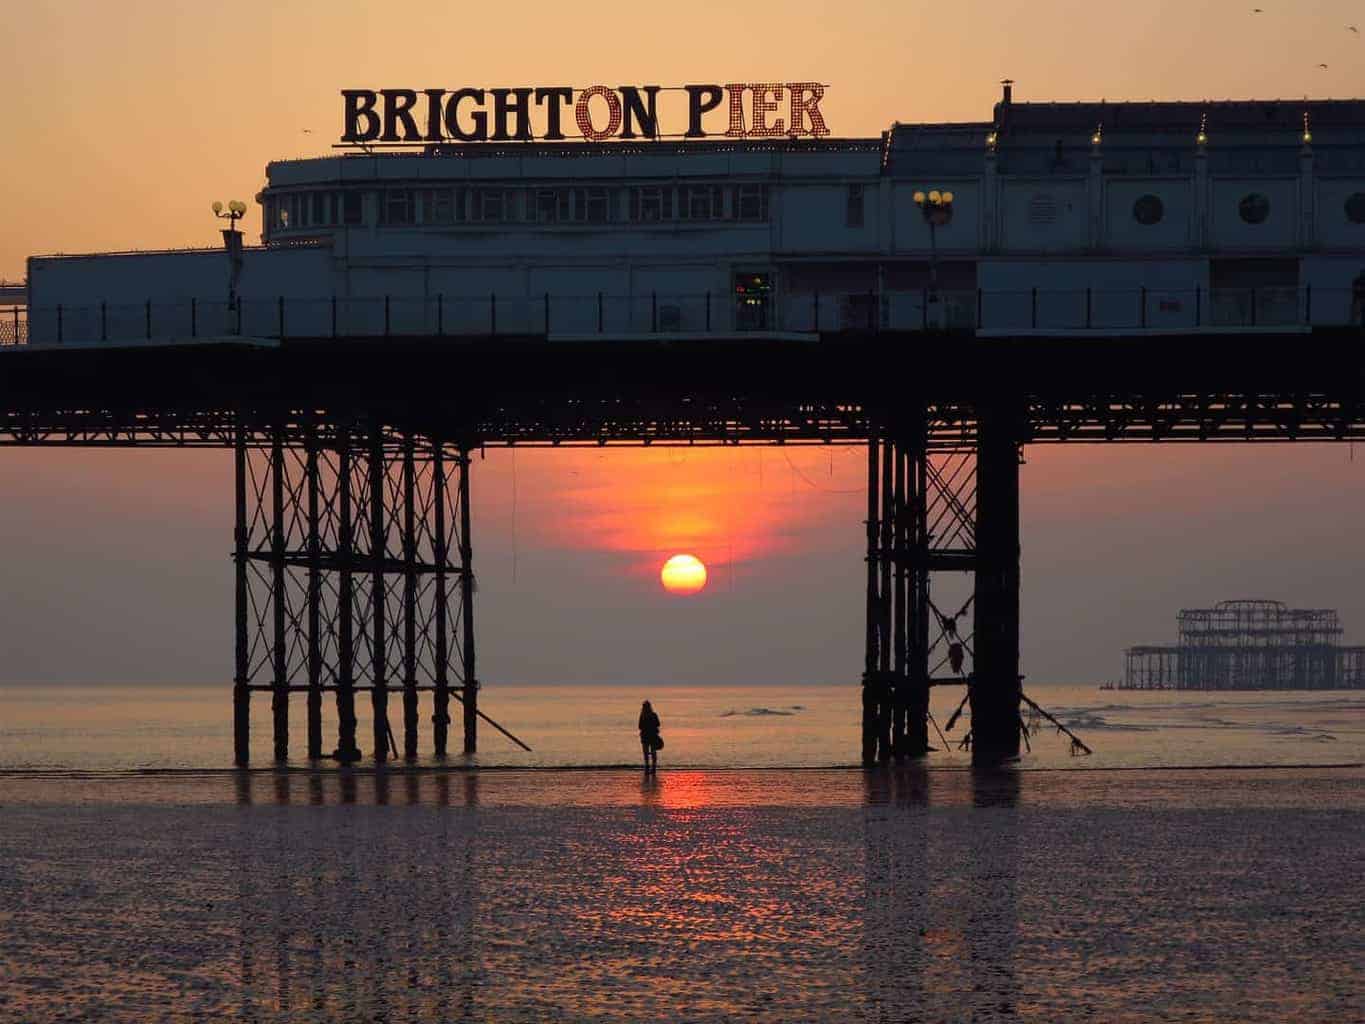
1075,217
1249,645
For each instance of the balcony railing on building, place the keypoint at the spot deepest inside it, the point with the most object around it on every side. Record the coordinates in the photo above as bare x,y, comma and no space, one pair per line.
987,312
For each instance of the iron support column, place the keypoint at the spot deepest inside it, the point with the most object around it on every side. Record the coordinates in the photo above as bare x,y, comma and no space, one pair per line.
995,688
884,605
409,601
379,692
346,748
279,697
899,692
870,657
471,681
440,715
917,552
314,598
241,696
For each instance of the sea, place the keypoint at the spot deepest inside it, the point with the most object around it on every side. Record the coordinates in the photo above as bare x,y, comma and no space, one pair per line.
1202,864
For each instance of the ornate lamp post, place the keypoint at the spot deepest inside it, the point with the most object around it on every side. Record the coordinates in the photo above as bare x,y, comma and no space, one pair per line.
937,209
232,242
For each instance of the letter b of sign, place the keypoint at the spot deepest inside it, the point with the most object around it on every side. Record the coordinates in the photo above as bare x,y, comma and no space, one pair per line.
362,123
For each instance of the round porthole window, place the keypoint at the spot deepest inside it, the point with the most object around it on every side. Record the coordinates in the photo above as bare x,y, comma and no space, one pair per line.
1355,208
1254,208
1149,210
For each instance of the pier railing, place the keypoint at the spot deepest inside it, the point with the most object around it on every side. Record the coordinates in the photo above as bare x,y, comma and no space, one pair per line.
1005,312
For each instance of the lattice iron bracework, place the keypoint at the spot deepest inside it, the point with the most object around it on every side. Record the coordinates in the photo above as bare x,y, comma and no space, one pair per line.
933,589
353,568
921,522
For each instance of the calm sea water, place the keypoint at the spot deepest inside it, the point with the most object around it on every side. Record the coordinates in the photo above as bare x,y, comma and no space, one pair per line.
707,893
102,728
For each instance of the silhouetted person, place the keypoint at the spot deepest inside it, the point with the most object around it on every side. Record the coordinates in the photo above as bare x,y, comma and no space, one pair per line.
650,742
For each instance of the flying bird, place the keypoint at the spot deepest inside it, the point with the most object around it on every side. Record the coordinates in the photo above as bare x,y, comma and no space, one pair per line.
1323,66
1352,28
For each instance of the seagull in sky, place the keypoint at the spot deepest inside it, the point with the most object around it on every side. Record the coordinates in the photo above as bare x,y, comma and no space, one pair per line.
1323,66
1352,28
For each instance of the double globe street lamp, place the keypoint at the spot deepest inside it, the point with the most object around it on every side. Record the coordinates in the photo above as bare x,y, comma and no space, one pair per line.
937,209
232,242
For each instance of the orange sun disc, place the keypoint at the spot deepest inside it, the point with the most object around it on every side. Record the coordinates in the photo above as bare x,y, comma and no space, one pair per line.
683,574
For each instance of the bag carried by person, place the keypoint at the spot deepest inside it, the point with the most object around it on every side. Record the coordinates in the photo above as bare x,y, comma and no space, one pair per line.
658,743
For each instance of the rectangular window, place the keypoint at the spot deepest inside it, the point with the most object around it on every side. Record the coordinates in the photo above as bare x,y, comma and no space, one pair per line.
551,205
651,204
438,206
320,208
398,206
490,204
353,209
751,202
592,205
700,202
854,216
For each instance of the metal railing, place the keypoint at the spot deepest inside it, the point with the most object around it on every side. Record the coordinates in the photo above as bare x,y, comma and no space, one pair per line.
1007,311
13,325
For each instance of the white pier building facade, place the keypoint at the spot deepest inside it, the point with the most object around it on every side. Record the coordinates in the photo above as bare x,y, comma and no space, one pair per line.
1047,217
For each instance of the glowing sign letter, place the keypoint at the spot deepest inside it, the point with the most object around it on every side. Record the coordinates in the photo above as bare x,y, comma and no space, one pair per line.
360,109
583,115
762,107
736,91
804,106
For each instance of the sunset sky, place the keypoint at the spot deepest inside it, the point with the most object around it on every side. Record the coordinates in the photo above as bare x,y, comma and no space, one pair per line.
125,120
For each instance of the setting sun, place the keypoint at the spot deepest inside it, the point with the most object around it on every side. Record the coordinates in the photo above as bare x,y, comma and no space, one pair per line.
683,574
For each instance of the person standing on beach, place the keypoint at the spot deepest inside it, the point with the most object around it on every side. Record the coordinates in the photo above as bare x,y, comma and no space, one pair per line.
649,736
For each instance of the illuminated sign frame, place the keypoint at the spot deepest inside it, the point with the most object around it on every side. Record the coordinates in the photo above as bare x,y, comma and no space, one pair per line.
397,117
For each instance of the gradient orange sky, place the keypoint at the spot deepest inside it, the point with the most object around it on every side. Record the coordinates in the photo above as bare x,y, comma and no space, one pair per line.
124,121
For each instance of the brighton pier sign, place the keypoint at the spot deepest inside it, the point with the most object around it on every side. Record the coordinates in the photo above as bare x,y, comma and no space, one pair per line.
740,110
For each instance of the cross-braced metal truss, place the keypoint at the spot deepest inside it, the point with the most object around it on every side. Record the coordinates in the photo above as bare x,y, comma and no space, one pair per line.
353,575
921,524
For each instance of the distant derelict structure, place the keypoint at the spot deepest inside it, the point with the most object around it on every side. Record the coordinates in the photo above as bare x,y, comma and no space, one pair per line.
1249,645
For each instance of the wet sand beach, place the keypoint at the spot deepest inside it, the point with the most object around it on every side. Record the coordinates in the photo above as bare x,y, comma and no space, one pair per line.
696,896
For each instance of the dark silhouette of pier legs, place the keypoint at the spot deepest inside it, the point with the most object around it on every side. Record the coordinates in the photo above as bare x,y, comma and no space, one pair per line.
313,483
995,689
344,542
279,698
931,512
895,675
471,681
379,554
241,695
